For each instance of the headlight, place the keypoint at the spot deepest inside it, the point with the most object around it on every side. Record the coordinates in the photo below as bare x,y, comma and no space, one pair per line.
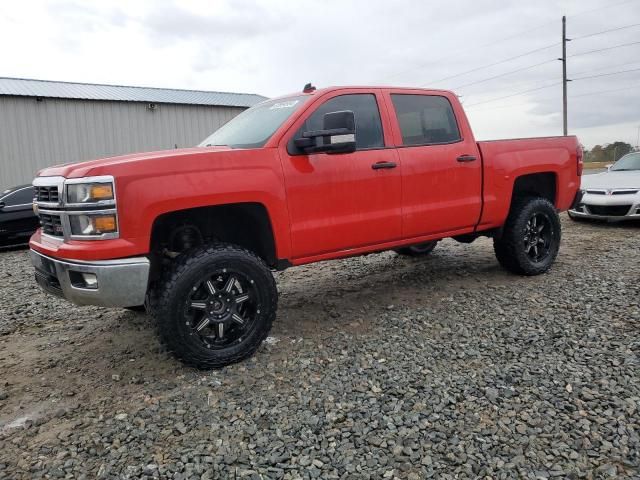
93,224
89,192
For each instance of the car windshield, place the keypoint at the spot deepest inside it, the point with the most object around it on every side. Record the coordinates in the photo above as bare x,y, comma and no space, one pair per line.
254,127
628,162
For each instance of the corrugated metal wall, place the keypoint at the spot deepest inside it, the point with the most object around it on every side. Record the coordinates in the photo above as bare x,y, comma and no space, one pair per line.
34,135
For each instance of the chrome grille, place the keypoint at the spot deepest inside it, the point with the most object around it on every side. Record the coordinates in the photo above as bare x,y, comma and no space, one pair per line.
47,194
51,224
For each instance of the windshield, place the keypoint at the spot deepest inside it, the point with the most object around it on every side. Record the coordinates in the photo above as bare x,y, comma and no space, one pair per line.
253,127
628,162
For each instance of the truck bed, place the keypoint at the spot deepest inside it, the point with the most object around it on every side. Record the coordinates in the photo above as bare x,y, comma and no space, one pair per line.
558,158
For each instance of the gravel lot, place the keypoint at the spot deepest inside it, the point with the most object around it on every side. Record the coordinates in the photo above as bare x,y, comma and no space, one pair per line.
377,367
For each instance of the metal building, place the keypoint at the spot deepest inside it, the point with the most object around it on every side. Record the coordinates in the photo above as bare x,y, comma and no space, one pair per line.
45,123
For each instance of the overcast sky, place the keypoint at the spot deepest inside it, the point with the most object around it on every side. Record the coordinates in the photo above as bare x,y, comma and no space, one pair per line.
274,47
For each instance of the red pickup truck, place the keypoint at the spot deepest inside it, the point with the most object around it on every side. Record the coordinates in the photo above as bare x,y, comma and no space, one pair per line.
193,234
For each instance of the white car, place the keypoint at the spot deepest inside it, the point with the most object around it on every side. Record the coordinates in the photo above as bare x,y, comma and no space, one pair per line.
613,195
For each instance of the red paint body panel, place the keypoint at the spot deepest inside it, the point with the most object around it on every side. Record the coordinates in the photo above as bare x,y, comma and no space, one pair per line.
338,202
506,160
439,194
325,206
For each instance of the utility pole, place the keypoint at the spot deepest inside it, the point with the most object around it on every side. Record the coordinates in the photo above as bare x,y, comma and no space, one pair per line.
638,140
565,130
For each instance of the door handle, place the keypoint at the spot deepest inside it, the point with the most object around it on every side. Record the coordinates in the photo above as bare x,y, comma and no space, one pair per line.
466,158
379,165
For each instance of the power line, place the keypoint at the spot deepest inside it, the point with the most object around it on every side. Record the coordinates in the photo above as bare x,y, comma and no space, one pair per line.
447,57
603,49
606,31
502,39
549,61
606,74
626,64
605,91
514,94
504,74
492,64
570,96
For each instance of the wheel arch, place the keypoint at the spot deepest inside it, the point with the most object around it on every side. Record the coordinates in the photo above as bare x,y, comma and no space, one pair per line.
541,184
246,224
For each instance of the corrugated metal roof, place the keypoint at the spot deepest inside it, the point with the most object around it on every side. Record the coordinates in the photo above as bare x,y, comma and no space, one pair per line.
87,91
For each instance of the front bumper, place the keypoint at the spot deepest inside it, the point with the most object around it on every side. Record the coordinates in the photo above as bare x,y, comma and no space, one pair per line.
612,208
119,283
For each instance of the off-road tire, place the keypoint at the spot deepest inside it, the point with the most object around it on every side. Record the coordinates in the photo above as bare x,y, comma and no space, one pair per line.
169,296
511,247
420,250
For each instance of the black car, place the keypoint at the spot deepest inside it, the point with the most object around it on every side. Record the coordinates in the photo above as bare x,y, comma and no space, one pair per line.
17,220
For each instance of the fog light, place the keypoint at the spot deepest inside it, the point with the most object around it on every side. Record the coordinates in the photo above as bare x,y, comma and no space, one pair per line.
90,280
83,280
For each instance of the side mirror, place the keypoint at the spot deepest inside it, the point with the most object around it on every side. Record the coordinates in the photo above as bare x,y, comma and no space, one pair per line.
2,205
337,136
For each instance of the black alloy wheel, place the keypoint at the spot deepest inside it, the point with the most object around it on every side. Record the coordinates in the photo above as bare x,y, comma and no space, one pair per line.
222,308
538,236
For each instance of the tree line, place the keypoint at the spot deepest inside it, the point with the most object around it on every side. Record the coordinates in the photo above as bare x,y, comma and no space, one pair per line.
609,152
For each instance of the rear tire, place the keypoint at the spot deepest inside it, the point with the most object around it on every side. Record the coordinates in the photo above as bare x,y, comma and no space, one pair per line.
531,237
420,250
215,305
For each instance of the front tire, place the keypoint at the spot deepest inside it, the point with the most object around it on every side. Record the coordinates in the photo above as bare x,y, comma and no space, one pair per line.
215,305
531,237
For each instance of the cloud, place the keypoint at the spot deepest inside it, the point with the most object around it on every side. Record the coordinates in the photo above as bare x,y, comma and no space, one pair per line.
276,46
219,23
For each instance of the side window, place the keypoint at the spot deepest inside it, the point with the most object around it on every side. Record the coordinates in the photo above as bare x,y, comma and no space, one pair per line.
20,197
365,109
425,119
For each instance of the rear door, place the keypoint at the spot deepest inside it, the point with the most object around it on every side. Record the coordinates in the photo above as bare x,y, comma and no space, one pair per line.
441,164
342,201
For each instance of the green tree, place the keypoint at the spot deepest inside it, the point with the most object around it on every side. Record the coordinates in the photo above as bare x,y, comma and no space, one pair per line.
609,153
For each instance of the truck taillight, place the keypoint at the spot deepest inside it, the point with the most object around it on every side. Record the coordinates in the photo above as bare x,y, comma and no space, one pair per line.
579,161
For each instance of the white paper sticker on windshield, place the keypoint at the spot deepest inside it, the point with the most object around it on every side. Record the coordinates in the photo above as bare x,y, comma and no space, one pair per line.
289,104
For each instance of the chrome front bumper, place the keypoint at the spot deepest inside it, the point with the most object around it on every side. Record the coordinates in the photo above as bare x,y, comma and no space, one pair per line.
119,283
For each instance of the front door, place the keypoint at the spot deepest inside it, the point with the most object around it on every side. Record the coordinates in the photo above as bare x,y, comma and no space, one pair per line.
441,166
342,201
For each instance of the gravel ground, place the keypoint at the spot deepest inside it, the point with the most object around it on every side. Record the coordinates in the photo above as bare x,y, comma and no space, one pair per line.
378,367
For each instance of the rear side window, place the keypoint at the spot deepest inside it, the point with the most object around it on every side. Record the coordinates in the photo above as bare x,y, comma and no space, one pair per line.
365,109
425,119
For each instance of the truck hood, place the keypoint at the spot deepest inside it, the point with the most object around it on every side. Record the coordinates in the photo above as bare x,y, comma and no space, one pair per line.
93,167
630,179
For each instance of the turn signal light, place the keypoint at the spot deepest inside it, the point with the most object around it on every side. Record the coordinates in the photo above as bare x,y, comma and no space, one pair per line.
105,224
101,191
